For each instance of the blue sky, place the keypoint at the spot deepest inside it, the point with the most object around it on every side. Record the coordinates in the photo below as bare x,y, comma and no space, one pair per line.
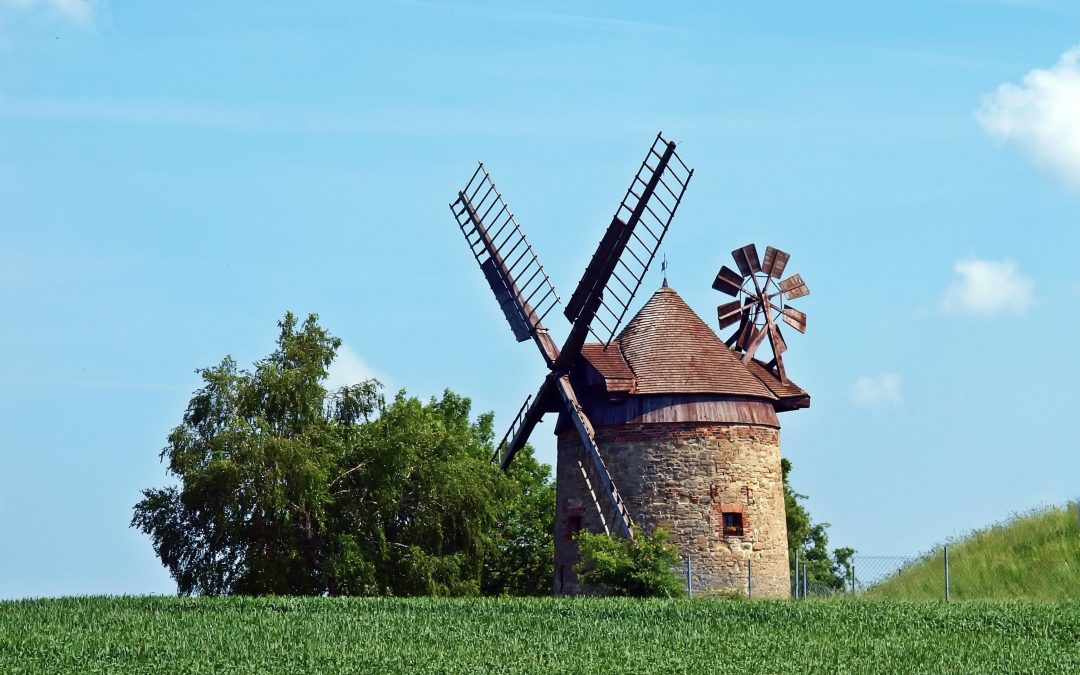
174,176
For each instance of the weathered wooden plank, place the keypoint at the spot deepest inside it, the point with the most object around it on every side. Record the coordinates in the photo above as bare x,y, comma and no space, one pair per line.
660,409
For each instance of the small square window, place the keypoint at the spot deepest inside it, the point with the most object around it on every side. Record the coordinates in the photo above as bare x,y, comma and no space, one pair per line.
733,525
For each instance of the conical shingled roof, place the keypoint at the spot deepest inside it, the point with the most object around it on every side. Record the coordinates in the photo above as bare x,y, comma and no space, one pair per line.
672,351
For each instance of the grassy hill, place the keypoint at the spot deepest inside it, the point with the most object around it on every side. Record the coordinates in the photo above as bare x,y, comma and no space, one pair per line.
534,635
1034,556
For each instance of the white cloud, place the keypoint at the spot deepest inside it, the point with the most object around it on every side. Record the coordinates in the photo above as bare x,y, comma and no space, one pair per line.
1042,116
878,392
348,368
988,287
80,12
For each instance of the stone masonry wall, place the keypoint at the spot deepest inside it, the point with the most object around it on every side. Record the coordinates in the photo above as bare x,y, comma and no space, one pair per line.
684,477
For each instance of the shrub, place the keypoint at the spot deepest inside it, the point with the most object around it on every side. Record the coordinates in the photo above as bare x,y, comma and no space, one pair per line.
639,567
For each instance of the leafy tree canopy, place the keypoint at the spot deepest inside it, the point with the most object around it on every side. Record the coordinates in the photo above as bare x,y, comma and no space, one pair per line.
523,560
286,488
811,540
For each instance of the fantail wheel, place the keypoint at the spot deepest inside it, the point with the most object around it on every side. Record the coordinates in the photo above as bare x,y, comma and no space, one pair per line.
761,300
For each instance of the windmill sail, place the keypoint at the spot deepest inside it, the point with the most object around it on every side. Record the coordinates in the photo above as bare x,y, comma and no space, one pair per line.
526,296
592,466
518,280
530,414
628,247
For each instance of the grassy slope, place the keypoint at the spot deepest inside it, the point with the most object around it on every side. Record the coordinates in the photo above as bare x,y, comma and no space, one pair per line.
1031,557
532,635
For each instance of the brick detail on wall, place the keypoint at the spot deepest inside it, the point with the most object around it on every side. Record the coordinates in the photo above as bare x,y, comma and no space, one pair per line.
683,477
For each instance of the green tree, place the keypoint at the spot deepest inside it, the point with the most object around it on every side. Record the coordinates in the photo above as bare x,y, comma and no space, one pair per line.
811,540
523,561
286,488
639,567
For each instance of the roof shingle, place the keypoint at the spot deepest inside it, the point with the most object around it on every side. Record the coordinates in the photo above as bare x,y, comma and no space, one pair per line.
610,365
667,349
782,390
671,350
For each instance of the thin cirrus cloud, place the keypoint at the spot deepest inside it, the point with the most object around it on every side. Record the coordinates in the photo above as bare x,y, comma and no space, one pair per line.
1041,115
987,287
79,12
878,392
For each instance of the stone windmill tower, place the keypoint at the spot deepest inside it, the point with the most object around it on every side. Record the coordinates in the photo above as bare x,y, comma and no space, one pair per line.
661,423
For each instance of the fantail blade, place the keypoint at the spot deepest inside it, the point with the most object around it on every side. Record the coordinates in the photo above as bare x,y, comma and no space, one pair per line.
778,342
775,262
795,319
747,259
746,334
729,313
727,281
794,287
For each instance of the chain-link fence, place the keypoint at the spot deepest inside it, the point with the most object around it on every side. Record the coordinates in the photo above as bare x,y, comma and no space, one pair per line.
1030,557
1045,571
868,574
864,575
868,571
742,581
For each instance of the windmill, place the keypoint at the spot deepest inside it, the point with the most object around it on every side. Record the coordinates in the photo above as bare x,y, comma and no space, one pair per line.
761,299
598,305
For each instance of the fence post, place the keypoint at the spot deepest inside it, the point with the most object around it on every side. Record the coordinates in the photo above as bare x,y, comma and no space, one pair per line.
689,581
946,548
795,587
804,584
853,576
749,578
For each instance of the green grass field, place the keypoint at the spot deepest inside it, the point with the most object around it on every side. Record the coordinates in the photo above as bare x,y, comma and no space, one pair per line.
1030,557
243,635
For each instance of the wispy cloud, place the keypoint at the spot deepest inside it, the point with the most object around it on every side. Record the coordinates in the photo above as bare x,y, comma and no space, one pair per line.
79,12
441,121
1042,116
1038,4
129,112
878,392
349,368
988,287
517,14
1047,5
